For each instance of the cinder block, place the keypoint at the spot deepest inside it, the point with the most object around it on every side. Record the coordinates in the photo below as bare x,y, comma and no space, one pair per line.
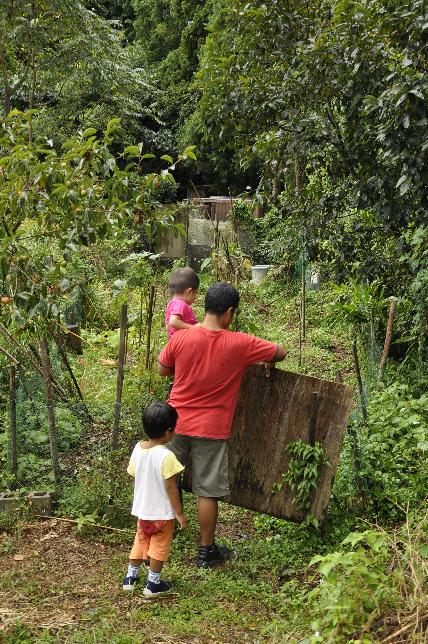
36,502
9,503
41,502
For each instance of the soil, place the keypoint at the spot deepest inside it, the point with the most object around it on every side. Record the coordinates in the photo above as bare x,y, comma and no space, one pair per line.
55,580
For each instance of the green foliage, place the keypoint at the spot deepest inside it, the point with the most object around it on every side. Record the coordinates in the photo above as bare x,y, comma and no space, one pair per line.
395,450
359,303
354,587
302,472
418,260
70,62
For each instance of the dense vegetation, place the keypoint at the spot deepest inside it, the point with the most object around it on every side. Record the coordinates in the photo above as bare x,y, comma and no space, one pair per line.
317,111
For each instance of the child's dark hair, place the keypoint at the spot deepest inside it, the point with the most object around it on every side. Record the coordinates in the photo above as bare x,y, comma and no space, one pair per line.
158,418
220,297
181,279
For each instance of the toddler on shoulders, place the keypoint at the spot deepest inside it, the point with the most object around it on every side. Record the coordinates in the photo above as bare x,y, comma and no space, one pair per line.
183,286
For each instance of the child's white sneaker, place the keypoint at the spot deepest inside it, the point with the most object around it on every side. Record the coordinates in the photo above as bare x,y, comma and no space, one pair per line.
152,589
129,583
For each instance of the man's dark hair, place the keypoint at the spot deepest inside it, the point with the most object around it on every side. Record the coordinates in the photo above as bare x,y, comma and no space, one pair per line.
158,418
220,297
181,279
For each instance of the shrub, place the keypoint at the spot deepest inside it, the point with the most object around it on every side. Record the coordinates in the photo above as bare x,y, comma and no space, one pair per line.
395,449
354,587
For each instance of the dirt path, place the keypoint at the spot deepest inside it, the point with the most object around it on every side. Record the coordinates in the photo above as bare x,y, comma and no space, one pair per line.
59,586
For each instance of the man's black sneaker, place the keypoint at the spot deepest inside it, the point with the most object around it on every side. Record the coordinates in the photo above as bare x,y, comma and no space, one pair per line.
152,590
210,556
129,583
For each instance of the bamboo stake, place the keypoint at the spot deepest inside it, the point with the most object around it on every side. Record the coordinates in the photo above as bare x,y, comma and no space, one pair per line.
388,337
12,422
359,380
303,296
140,322
149,324
120,376
53,438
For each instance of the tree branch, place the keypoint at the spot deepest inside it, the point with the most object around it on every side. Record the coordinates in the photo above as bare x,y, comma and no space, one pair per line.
341,143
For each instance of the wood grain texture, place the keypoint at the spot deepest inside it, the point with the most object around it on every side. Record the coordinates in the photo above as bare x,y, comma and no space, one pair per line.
272,412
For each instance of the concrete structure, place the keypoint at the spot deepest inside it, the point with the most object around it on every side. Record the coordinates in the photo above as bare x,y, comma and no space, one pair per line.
36,502
205,221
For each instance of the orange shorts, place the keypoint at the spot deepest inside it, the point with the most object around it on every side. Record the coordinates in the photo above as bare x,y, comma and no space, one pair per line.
156,545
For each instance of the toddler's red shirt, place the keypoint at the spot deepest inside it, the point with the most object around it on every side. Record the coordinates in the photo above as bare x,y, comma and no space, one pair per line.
209,366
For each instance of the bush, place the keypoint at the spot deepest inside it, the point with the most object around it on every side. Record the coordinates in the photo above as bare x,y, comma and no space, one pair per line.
354,587
395,449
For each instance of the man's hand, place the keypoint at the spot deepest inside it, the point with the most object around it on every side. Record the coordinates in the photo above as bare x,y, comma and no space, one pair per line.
280,355
268,366
182,519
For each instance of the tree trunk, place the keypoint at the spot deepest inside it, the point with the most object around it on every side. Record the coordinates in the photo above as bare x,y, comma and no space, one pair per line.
63,354
13,449
119,382
53,438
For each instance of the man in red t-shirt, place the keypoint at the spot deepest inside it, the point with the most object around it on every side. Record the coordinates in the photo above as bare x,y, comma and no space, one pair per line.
208,363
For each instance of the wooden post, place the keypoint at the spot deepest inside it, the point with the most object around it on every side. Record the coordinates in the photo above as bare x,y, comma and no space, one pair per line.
149,323
359,380
140,321
303,295
119,381
13,449
388,337
53,438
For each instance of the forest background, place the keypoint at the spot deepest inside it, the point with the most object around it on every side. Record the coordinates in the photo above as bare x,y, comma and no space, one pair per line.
317,112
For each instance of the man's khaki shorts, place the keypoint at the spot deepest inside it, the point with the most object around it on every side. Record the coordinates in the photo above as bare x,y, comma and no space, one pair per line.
210,471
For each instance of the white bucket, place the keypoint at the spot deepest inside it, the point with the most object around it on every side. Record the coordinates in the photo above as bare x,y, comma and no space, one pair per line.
258,272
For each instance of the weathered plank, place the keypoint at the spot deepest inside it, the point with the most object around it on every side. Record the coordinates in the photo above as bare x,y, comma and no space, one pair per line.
272,412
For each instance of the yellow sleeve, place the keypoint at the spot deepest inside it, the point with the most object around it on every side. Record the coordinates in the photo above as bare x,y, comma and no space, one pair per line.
131,466
171,466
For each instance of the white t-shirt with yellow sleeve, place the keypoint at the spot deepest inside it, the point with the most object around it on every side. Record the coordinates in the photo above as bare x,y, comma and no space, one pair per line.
151,467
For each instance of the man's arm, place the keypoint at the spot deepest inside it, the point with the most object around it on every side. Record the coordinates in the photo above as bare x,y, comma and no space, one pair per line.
279,355
165,371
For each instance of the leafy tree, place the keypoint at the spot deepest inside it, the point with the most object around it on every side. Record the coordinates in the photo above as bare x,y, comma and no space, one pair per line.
67,200
118,11
70,64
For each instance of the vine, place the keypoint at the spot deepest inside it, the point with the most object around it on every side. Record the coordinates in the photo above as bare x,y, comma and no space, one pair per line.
303,471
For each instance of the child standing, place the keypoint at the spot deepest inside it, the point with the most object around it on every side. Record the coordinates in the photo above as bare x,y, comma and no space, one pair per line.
183,286
156,501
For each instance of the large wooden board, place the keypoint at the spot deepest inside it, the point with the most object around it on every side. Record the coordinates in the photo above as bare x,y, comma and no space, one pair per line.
272,412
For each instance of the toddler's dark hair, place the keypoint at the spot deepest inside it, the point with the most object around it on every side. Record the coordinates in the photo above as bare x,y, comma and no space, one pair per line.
158,418
181,279
220,297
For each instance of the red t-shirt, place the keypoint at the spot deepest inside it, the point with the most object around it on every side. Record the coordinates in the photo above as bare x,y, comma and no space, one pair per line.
209,366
